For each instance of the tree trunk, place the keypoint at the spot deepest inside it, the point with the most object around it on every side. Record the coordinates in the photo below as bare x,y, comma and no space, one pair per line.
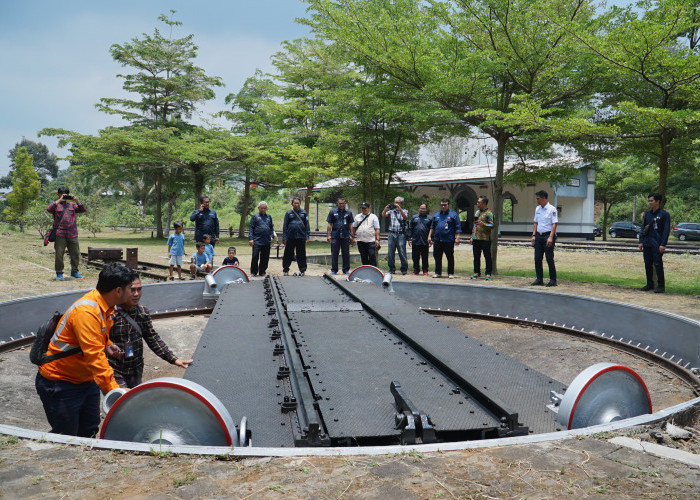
159,207
307,198
169,221
663,164
502,142
246,198
606,211
198,181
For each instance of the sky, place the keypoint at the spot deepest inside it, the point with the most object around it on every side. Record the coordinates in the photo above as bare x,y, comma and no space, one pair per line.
55,63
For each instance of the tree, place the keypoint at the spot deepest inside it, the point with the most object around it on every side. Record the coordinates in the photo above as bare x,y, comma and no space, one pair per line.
25,188
653,84
503,66
168,83
45,162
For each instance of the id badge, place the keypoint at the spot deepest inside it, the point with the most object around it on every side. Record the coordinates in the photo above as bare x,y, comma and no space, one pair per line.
447,226
656,224
129,350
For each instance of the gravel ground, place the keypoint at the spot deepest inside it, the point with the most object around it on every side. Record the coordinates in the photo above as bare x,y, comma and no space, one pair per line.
591,467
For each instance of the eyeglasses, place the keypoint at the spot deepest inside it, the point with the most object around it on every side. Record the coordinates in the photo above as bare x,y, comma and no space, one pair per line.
444,204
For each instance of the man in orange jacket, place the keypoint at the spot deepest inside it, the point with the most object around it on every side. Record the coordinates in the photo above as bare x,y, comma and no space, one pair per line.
69,387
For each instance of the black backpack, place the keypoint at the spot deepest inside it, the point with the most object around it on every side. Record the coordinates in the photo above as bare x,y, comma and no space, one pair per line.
37,355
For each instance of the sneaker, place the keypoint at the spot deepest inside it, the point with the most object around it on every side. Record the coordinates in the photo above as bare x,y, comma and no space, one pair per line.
301,274
76,275
451,276
172,278
537,283
475,276
437,275
487,277
661,289
286,273
425,273
404,272
551,283
646,288
192,276
59,276
414,272
334,273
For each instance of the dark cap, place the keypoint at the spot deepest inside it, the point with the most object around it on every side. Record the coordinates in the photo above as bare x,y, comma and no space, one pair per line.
177,224
364,204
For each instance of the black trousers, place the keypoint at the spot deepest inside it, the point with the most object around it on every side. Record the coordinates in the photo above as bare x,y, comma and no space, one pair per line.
368,253
420,253
654,259
340,245
447,248
541,249
294,246
479,247
261,256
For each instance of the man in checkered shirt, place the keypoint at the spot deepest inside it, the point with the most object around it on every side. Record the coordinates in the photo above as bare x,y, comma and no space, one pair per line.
64,211
132,325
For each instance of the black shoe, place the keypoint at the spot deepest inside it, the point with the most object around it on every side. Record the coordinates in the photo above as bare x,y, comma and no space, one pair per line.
661,289
537,283
552,283
646,288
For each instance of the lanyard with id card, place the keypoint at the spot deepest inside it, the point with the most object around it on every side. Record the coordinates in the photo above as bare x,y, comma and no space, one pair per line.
129,346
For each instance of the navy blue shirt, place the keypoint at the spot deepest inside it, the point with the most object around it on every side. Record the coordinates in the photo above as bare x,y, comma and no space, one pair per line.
658,231
445,226
261,229
296,225
340,223
418,228
205,222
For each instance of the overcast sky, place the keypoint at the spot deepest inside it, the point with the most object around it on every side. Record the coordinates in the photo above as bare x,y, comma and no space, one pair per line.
55,63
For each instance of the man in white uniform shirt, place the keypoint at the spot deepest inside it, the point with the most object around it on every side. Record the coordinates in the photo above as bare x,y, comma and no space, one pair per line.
543,237
365,230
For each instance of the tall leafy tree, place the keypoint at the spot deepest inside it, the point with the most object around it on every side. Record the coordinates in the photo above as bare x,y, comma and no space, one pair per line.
25,188
255,127
45,162
503,66
167,83
653,82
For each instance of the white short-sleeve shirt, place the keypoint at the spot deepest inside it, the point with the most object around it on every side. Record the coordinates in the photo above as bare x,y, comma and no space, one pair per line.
365,231
545,217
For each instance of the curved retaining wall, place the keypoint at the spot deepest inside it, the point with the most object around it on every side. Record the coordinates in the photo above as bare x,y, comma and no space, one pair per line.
674,337
671,336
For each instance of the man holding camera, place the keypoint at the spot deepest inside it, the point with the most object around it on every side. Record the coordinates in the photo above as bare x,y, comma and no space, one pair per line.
398,219
64,211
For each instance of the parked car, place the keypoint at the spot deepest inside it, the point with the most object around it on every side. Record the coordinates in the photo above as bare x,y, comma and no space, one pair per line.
624,229
687,231
597,231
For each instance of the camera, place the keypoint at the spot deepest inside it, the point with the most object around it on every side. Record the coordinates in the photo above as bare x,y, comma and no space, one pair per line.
392,206
68,197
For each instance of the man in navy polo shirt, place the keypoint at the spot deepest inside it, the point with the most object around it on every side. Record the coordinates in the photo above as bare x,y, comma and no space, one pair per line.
444,235
339,223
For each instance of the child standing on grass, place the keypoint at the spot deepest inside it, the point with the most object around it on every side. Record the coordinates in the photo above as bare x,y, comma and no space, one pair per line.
176,249
208,247
200,261
231,259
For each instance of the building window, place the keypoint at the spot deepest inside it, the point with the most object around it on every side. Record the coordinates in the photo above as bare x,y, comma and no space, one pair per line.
507,212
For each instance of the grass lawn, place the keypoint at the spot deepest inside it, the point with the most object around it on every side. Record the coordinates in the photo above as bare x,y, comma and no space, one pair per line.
615,268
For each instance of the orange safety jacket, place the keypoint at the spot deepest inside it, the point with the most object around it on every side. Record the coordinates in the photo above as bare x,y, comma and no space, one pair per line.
86,324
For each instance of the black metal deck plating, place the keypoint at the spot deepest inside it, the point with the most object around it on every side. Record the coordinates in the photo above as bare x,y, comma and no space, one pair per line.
351,341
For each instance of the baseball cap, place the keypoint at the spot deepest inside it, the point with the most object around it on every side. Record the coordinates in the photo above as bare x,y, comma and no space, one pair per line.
364,204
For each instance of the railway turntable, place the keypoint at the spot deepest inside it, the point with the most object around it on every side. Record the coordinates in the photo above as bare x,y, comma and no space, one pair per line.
311,361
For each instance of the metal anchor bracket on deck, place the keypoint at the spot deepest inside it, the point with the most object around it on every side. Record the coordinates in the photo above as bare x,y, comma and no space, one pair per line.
414,423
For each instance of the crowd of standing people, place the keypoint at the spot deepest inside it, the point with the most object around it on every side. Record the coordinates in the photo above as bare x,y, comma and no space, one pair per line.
420,231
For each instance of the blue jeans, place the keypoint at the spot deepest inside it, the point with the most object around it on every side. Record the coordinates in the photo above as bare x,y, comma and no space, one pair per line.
397,241
72,409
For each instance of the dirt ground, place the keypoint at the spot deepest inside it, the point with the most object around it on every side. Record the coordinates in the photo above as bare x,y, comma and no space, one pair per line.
590,467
